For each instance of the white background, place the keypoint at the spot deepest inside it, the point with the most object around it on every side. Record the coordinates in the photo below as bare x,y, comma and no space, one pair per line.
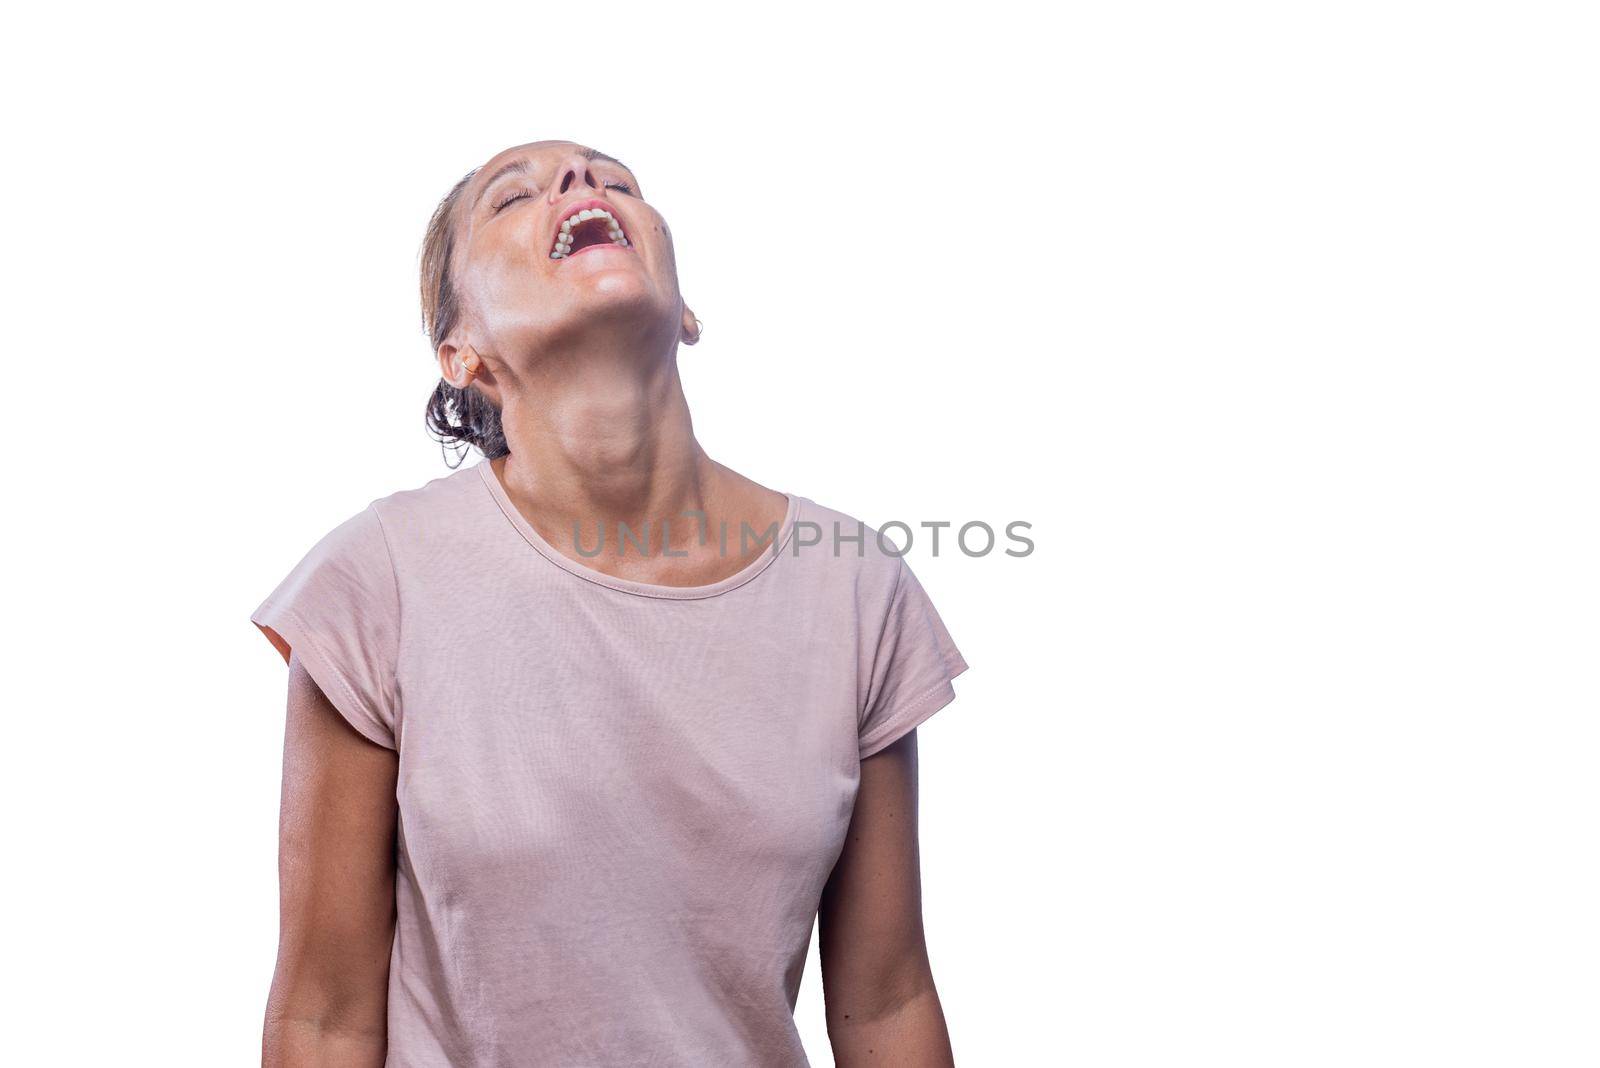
1277,321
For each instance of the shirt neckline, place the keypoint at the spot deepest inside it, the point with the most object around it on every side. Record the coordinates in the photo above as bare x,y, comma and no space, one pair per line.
643,589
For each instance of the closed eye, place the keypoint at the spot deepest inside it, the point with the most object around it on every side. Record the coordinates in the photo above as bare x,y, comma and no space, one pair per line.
518,195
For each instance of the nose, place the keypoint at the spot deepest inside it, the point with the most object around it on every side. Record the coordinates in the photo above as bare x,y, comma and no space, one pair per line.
571,173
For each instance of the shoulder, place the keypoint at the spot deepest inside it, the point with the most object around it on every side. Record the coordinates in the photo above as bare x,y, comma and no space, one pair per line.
365,543
415,511
847,549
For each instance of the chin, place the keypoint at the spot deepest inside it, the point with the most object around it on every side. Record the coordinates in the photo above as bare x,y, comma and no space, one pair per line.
622,292
620,284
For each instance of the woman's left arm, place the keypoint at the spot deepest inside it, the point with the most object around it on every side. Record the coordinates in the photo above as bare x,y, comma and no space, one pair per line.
882,1008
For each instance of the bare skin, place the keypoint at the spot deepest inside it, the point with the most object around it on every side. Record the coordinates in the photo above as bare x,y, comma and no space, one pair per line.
336,870
882,1007
580,356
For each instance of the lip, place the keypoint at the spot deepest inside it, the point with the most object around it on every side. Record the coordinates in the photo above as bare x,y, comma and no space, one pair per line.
580,205
591,248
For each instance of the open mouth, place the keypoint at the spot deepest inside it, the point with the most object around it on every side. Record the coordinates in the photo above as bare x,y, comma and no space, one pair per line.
586,226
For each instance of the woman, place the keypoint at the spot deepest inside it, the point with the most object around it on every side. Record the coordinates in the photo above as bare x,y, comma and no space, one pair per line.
582,738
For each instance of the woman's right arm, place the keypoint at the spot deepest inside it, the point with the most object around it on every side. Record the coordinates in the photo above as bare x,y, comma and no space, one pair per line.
336,865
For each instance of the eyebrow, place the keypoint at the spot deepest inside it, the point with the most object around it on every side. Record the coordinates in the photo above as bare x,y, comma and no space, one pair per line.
521,166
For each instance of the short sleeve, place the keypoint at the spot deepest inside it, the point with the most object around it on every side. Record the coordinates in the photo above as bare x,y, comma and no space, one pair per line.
912,667
338,610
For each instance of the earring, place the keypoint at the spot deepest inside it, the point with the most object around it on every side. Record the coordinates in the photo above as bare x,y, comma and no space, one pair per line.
699,328
469,366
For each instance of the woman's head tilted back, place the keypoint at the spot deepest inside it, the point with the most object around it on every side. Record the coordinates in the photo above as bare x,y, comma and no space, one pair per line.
544,254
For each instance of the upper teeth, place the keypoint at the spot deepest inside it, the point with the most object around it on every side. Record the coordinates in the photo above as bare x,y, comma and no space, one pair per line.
564,237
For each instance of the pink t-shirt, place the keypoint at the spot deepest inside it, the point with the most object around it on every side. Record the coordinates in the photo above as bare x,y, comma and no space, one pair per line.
618,802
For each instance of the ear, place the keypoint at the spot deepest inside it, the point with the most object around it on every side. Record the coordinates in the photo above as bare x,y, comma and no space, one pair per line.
458,364
449,364
689,328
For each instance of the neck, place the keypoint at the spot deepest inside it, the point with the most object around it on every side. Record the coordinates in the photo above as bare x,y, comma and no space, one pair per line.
601,438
